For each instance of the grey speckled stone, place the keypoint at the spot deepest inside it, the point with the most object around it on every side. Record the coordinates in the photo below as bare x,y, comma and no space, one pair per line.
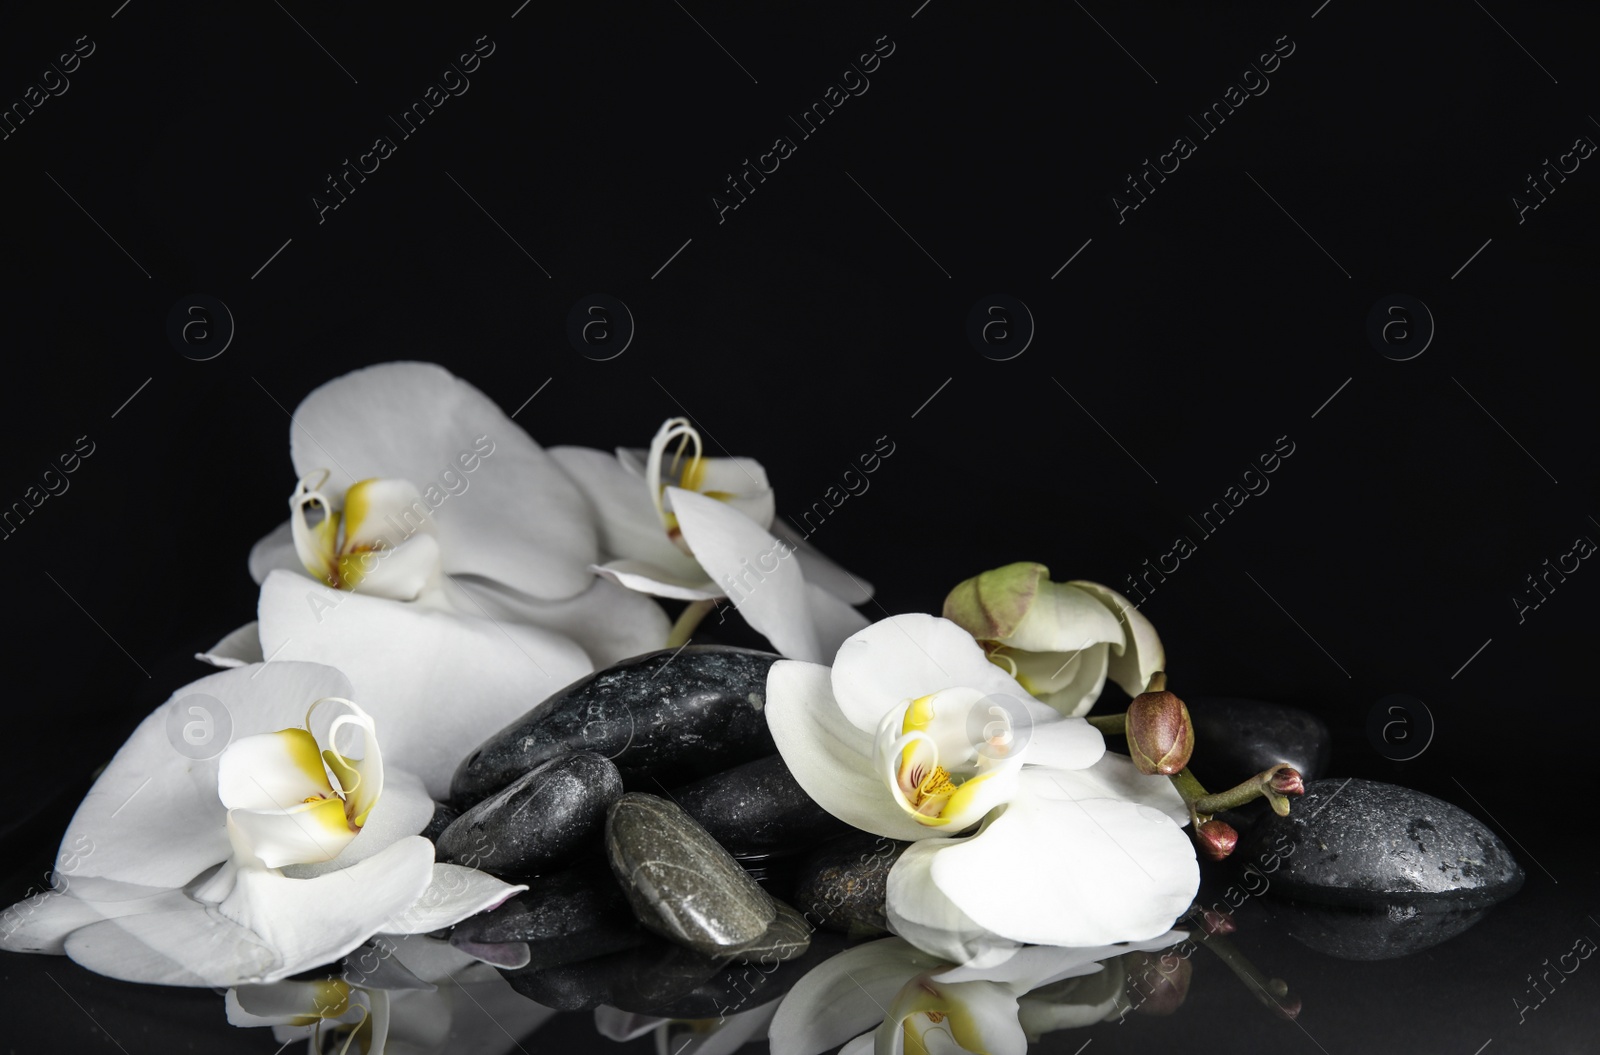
672,716
1234,739
842,885
757,809
788,936
1385,933
682,885
541,820
1364,843
570,916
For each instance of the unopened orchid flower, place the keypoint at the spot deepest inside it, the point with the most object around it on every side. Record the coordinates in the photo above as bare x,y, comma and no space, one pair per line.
1023,828
288,849
888,997
439,556
1060,640
677,523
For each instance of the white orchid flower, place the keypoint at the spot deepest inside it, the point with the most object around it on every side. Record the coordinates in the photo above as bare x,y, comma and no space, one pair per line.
434,552
453,1004
688,1036
677,523
285,851
893,998
1060,640
913,734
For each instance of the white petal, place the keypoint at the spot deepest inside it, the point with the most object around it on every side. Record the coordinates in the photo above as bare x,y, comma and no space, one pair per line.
658,581
438,683
236,649
153,817
622,1026
275,550
630,528
282,1003
844,996
835,620
272,771
310,831
920,912
1142,653
1070,682
830,758
454,894
609,622
43,923
1063,743
756,571
976,1016
732,1033
1063,618
1057,870
269,928
1040,965
1115,776
906,656
515,517
819,570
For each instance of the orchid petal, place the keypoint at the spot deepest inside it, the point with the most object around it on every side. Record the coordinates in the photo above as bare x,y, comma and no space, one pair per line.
268,928
275,550
657,581
272,771
407,662
287,1003
308,831
1062,743
1115,776
630,528
972,1017
1063,618
1111,870
921,913
907,656
835,621
515,517
609,622
844,996
405,809
738,554
1141,653
238,648
830,758
454,893
622,1026
820,571
153,817
1069,682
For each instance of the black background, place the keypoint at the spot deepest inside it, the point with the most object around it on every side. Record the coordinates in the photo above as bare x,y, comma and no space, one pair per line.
810,323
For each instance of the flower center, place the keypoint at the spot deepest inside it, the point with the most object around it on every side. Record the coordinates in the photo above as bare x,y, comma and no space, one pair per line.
688,472
941,754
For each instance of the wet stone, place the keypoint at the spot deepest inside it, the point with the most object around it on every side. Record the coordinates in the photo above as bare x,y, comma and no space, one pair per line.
1235,739
671,716
680,882
842,885
541,820
1385,932
758,809
788,936
578,914
744,986
1364,843
443,815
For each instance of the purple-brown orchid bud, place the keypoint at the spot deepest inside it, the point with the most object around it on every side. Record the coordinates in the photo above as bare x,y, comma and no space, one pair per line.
1287,781
1157,983
1160,734
1216,839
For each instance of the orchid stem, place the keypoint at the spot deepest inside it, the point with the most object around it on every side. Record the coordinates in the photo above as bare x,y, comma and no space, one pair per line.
1110,724
689,620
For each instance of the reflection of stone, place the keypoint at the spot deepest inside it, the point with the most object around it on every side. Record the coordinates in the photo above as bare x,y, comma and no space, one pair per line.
544,818
1365,844
574,915
758,808
650,976
681,883
1235,738
672,716
842,884
1378,933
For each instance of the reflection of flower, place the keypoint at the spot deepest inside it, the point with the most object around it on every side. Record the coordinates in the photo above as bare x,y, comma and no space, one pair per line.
435,553
1060,640
688,1036
921,1003
913,734
675,523
440,1003
253,866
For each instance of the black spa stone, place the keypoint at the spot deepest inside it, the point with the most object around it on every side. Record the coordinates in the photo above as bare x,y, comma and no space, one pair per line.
1235,739
639,979
843,883
540,821
442,817
1363,843
670,716
758,809
578,914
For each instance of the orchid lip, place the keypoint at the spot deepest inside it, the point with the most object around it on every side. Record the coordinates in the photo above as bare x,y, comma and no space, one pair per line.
940,770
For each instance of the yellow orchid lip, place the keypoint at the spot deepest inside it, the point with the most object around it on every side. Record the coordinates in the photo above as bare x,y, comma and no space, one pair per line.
934,791
345,547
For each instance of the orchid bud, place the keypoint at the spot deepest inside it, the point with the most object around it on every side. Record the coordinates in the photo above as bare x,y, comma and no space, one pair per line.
1157,983
1287,781
991,605
1214,922
1160,734
1216,839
